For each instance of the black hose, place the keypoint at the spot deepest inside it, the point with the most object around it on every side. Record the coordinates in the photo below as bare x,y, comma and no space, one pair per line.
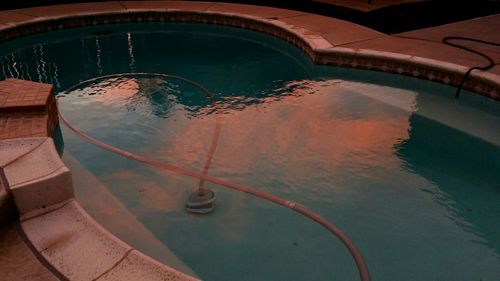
446,40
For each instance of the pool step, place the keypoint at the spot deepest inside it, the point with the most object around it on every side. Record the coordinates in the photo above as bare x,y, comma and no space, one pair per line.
82,250
27,109
17,260
35,175
58,231
110,212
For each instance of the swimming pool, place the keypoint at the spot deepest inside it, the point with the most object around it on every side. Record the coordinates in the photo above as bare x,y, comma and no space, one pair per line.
408,172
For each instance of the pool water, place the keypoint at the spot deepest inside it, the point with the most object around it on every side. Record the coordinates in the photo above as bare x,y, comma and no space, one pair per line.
409,173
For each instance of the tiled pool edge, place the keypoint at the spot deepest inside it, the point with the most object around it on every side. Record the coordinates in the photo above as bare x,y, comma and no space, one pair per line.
60,232
319,50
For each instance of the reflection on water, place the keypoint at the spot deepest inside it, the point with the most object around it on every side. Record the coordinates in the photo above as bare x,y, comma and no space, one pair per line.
144,95
410,175
210,63
353,157
131,52
112,92
465,170
98,57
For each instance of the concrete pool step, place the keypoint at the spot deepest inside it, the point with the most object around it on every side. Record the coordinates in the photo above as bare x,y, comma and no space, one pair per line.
17,260
82,250
110,212
70,244
34,175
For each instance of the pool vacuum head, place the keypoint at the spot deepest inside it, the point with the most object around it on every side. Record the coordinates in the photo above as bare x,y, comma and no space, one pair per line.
201,202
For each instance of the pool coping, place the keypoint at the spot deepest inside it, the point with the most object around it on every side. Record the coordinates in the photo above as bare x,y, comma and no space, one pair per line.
314,44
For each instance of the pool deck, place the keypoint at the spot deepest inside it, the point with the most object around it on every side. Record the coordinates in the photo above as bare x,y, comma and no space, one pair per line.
363,5
326,39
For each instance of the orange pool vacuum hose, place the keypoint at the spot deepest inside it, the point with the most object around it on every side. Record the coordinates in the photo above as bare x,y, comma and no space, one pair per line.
364,274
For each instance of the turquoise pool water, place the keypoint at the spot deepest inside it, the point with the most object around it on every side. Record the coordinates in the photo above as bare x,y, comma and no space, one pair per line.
409,173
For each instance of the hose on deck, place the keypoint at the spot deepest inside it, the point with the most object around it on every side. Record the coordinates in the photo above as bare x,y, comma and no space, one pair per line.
362,267
447,40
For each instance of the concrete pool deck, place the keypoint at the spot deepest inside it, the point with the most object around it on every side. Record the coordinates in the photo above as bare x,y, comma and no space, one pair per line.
418,53
364,5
